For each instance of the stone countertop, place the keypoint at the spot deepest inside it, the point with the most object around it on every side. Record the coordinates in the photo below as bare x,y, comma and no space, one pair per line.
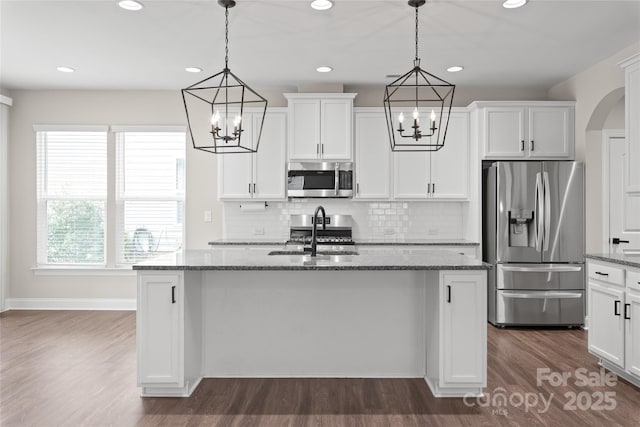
629,260
256,258
361,242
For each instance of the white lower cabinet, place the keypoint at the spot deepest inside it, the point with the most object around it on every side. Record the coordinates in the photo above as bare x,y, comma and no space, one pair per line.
458,361
614,317
164,335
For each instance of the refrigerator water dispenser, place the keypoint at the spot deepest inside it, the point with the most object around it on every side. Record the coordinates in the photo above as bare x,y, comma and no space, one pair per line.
521,228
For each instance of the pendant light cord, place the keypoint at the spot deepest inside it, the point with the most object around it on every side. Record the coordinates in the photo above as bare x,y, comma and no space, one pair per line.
416,33
226,37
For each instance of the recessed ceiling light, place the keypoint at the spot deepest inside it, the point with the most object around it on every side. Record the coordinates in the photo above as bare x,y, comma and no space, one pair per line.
193,69
321,4
66,69
455,69
512,4
130,4
324,69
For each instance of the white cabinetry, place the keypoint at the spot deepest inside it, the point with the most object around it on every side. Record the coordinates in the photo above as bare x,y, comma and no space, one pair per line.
614,317
320,126
373,155
167,337
522,131
459,308
442,174
259,175
632,121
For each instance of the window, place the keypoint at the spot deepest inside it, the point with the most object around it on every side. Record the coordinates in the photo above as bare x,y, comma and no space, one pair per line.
72,196
83,186
150,195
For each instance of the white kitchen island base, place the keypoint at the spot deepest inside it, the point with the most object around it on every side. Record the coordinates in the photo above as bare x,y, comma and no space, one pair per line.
404,323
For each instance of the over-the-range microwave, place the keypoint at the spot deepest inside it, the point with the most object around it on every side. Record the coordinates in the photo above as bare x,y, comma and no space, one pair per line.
325,179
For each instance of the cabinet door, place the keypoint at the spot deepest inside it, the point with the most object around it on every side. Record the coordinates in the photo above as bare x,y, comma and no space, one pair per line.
269,161
632,125
463,302
373,156
411,172
235,169
632,343
159,329
450,164
504,132
335,128
304,129
550,132
606,323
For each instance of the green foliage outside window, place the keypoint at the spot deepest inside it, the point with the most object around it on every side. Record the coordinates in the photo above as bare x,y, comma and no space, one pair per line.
75,231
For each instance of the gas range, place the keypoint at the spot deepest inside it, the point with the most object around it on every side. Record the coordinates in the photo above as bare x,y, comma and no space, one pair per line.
338,230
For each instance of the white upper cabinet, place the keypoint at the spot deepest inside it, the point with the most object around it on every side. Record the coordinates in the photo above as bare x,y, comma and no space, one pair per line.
522,131
373,156
258,175
436,175
632,122
320,126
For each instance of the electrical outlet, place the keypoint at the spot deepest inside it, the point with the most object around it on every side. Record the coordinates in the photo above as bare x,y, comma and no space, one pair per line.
389,231
432,232
258,231
208,217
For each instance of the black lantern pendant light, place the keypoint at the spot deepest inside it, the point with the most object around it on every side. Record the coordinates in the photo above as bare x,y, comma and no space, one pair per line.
420,94
215,106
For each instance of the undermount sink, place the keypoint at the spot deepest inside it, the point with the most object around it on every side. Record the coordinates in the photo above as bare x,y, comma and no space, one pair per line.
320,253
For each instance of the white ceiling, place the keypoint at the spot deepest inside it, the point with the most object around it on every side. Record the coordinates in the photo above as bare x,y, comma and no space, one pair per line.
280,43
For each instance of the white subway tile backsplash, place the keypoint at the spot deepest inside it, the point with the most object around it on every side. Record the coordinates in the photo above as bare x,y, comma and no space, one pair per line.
371,220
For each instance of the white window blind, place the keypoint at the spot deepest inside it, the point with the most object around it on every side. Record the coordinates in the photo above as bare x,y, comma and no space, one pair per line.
72,195
150,194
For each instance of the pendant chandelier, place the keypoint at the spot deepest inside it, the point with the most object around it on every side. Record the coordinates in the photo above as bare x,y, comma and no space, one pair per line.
418,94
215,108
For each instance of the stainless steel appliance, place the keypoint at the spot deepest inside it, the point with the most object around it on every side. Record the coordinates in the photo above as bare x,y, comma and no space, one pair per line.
533,233
328,179
337,231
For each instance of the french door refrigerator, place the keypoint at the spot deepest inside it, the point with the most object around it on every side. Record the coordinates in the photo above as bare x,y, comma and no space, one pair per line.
533,234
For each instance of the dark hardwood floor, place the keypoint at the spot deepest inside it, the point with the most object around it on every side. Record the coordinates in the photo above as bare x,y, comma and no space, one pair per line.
78,368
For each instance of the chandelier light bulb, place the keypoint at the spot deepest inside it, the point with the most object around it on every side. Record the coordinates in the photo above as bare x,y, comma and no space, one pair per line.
236,121
415,113
215,118
433,116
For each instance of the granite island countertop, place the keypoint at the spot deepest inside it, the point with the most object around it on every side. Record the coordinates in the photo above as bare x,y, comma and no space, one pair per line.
374,241
617,258
257,258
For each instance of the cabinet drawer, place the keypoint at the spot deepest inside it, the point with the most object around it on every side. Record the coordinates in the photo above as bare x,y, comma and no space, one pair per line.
633,279
606,273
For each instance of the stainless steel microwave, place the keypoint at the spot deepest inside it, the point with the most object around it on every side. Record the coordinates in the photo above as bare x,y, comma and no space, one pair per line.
326,179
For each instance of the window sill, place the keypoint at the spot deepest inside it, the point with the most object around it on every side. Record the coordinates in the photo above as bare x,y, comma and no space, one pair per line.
67,270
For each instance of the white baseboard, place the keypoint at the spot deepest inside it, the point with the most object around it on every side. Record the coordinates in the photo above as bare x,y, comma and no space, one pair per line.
71,304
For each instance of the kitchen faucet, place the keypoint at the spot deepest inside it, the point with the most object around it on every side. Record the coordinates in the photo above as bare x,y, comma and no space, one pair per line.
314,237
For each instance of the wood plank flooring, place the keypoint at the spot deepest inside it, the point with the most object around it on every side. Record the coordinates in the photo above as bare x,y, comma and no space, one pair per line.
78,368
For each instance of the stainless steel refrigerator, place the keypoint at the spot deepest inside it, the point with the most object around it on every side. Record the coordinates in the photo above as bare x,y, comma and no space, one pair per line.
533,233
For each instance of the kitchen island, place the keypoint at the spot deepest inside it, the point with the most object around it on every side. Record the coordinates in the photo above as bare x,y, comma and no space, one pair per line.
240,312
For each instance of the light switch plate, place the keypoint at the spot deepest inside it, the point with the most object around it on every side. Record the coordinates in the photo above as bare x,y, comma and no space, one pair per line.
207,216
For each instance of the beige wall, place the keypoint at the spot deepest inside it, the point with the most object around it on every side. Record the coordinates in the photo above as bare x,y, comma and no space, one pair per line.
615,119
597,91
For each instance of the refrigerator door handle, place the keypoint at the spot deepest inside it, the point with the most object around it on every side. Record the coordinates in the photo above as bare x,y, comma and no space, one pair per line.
540,295
550,269
547,211
539,211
